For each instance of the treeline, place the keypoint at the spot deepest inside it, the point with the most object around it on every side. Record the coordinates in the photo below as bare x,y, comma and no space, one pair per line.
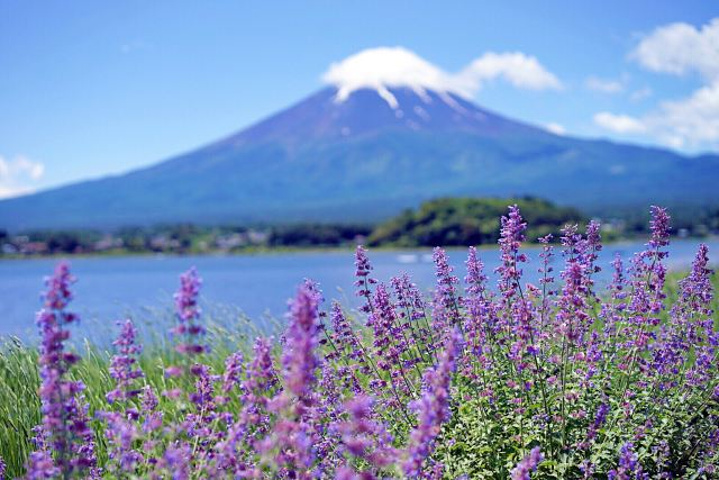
444,221
310,235
181,239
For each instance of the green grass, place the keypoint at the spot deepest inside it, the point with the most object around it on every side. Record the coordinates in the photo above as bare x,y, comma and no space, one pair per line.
19,381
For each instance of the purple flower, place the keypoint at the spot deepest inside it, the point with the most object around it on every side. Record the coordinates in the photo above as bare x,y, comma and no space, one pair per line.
362,436
611,311
446,301
693,308
599,420
346,346
177,460
188,314
618,279
290,442
547,280
629,467
121,434
261,373
412,310
346,473
153,419
391,343
123,362
648,274
236,450
343,336
691,328
573,318
694,320
65,428
234,366
204,426
659,225
511,238
432,408
204,384
697,290
291,447
84,459
2,469
299,360
41,466
261,382
324,412
363,280
477,302
476,280
408,296
328,390
58,294
527,465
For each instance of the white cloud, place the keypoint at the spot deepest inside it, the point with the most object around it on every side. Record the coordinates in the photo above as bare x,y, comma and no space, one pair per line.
555,128
604,85
679,48
18,174
384,68
619,123
691,122
520,70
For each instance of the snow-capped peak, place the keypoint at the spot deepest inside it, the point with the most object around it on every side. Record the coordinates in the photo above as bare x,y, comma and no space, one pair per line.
384,68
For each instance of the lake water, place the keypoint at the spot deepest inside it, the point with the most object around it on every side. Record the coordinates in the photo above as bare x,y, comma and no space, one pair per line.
110,288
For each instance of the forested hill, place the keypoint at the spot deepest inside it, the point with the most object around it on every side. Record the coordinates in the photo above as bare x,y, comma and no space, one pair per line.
470,221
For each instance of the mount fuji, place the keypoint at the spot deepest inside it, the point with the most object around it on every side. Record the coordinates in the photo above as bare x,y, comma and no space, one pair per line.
365,151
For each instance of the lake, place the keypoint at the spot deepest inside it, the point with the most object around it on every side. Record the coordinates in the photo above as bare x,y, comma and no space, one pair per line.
110,288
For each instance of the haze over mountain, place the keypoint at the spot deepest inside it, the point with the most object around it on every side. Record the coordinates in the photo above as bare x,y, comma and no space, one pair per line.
364,149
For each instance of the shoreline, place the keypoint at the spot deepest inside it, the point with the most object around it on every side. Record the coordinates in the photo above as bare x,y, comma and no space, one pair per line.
300,250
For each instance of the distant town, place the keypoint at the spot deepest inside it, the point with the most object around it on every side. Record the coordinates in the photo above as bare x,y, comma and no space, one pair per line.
182,239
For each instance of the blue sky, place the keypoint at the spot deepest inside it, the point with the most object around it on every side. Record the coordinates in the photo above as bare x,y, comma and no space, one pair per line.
93,88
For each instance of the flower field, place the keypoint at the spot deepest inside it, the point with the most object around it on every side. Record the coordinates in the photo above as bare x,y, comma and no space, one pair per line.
558,380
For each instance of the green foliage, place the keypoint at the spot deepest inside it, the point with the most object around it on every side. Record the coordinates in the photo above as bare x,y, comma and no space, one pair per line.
469,221
19,404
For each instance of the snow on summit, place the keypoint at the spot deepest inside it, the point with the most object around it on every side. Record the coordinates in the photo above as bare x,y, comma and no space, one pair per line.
384,68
